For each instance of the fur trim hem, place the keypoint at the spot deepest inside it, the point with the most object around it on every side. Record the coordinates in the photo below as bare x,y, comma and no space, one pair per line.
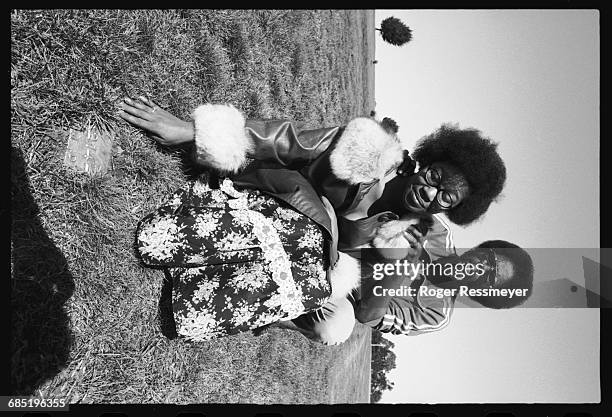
345,275
365,152
220,139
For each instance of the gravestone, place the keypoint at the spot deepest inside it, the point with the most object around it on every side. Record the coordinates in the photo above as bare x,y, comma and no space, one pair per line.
89,151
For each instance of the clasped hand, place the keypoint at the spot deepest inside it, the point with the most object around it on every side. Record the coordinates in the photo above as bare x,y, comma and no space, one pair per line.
405,244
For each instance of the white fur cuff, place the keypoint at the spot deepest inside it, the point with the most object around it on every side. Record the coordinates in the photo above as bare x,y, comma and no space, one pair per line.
345,275
220,139
365,152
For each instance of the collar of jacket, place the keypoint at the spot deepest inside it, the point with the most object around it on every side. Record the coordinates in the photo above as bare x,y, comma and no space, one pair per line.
361,154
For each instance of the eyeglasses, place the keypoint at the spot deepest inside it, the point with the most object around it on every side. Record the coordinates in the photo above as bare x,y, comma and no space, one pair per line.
433,179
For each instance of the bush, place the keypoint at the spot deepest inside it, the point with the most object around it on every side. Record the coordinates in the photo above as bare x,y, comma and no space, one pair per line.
395,32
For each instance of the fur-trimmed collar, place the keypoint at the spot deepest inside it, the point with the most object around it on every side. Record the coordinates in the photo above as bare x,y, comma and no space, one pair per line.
365,152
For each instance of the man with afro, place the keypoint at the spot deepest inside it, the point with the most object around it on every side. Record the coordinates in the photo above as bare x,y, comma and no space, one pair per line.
497,274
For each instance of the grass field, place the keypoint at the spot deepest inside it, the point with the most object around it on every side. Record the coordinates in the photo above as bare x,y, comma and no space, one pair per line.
89,323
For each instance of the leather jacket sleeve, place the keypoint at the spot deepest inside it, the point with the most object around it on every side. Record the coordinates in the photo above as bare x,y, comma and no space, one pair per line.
279,141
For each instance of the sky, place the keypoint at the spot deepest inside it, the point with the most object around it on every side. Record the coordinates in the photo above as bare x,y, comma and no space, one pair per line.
529,80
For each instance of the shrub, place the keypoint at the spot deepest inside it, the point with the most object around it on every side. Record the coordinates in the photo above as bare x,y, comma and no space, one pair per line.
395,32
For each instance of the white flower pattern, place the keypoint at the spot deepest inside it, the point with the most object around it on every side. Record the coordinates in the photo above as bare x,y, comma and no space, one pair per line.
206,225
311,239
161,238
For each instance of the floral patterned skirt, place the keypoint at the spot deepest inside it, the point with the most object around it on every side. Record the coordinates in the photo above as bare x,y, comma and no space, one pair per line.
238,259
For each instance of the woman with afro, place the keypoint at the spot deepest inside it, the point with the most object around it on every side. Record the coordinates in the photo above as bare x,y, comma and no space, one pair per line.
460,174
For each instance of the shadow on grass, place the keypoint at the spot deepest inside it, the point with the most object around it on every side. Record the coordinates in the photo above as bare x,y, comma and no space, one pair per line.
40,285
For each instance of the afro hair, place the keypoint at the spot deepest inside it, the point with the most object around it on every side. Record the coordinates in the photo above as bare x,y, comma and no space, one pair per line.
522,265
476,157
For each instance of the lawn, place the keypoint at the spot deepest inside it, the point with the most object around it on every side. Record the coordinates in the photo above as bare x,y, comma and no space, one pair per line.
88,322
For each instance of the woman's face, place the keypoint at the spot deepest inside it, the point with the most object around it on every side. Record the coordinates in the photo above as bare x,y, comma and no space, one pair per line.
435,188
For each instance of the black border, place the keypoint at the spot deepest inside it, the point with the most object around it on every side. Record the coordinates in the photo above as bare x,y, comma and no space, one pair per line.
405,410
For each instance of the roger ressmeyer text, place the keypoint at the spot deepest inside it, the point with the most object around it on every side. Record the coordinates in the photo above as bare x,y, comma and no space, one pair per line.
463,290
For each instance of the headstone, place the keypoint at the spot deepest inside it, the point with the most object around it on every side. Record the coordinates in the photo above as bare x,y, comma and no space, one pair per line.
89,151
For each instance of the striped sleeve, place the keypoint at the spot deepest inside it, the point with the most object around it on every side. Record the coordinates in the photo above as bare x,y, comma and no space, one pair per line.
439,239
408,317
411,315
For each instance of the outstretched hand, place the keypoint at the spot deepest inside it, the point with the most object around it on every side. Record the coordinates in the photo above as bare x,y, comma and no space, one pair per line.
161,125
